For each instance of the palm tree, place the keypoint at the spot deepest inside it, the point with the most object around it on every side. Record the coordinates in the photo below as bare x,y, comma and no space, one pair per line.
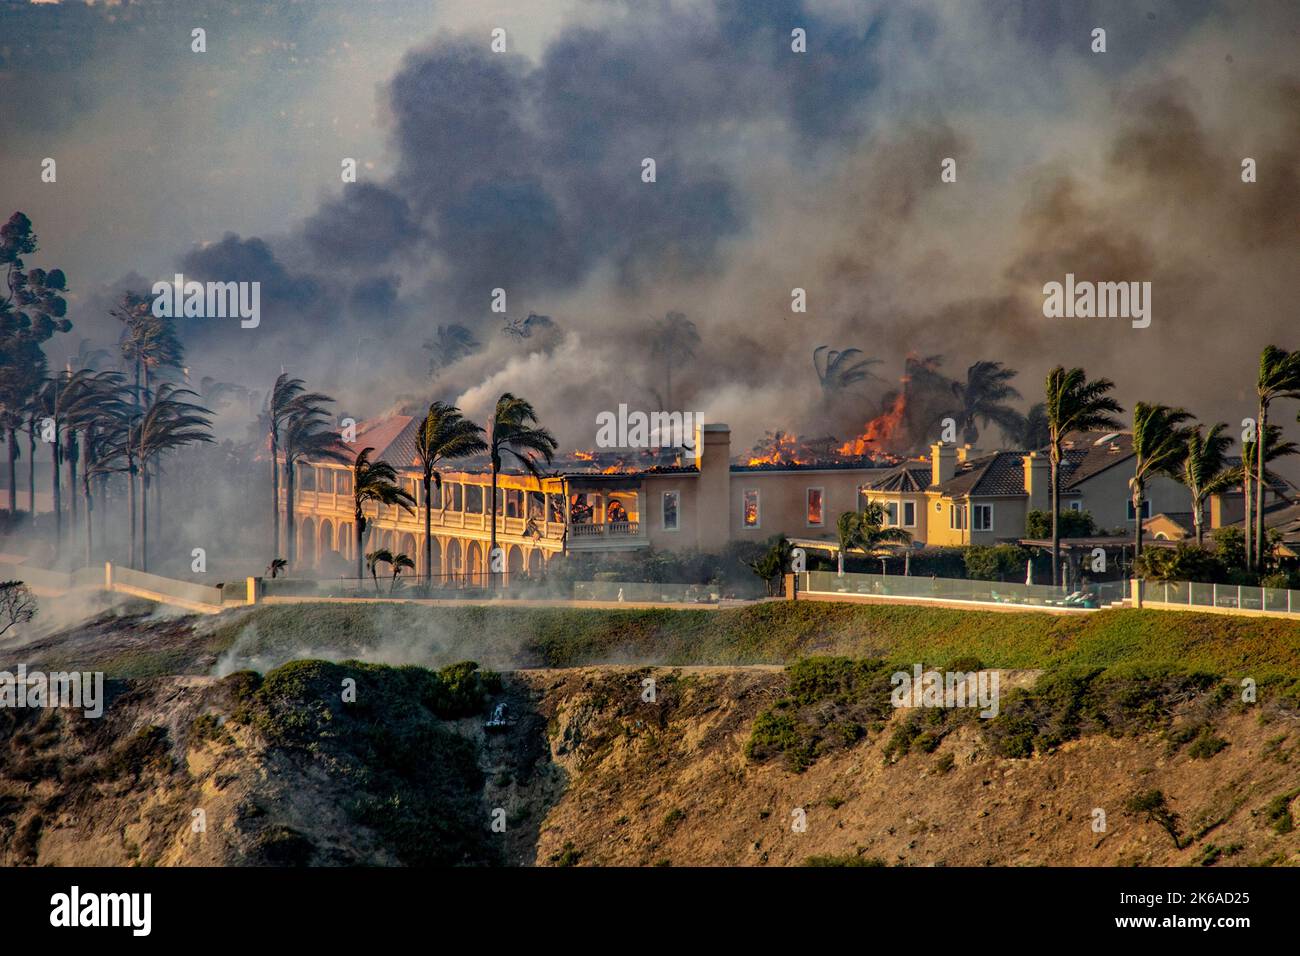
1033,432
1279,377
983,397
1160,438
398,563
169,421
444,435
102,454
1274,448
674,339
837,369
848,529
1206,470
93,414
374,481
514,431
450,344
279,407
865,531
373,559
1072,404
148,342
308,435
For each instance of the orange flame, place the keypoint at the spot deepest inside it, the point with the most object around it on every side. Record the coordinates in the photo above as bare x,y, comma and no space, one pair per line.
880,430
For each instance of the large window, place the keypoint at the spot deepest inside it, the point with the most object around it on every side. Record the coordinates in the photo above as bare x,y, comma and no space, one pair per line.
1146,509
982,516
909,514
749,508
957,517
671,501
891,513
815,504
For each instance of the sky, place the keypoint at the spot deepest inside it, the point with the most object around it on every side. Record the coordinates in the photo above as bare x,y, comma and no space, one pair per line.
775,170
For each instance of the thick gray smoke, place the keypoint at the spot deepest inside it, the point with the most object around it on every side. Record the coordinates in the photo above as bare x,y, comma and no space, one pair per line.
779,170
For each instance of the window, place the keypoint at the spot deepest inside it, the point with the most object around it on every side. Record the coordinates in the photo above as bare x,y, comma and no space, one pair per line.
815,507
891,514
909,514
982,516
671,501
749,508
957,517
474,499
1146,509
1078,506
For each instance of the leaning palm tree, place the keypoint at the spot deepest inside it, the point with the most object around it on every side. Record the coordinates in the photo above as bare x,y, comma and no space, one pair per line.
514,431
983,398
373,560
1031,432
1160,436
308,435
1206,470
1072,404
444,435
1279,377
374,481
837,369
169,421
399,563
98,418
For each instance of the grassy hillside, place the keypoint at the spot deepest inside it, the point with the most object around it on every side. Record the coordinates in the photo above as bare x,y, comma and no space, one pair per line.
1116,641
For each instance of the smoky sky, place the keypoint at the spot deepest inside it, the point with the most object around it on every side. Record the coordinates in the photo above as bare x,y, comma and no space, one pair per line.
775,170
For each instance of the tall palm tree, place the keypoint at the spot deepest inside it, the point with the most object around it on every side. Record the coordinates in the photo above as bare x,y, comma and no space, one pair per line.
444,435
866,531
1160,436
837,369
148,342
1274,448
1032,431
983,397
278,408
674,339
1206,470
102,451
374,481
167,422
1072,404
1279,377
308,434
91,399
514,431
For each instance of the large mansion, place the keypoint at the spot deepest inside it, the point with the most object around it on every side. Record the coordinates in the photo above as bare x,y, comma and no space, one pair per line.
955,497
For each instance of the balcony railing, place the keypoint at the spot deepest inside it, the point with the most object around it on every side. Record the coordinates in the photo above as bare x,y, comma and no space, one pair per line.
609,529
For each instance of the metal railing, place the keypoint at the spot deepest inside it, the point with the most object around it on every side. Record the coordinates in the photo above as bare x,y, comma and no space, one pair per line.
963,589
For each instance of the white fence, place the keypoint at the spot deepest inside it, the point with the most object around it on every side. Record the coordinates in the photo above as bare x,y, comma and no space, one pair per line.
1239,597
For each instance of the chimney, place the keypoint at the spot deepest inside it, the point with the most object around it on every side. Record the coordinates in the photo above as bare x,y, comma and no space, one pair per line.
943,463
713,502
966,453
1038,479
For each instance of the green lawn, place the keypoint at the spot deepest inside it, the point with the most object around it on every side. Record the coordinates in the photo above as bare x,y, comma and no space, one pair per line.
1119,640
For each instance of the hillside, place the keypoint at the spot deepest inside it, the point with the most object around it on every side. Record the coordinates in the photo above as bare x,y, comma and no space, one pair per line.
285,771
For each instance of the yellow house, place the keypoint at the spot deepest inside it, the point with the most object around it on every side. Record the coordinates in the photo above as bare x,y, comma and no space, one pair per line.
963,497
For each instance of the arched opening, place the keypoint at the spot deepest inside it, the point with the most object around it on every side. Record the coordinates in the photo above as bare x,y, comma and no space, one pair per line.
474,565
514,564
434,569
306,555
455,567
535,561
347,541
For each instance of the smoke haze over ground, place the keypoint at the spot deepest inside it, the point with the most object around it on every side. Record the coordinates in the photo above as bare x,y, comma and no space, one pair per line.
775,170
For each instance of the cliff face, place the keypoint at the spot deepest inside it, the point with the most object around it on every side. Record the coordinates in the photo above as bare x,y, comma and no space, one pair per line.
590,770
